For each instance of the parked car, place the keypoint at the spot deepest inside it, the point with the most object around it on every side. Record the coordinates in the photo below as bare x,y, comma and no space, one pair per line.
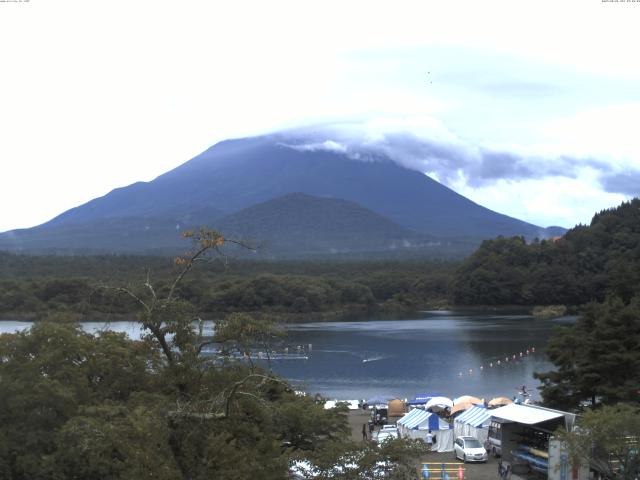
384,435
469,449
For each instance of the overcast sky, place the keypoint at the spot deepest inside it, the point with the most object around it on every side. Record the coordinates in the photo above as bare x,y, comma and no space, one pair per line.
529,108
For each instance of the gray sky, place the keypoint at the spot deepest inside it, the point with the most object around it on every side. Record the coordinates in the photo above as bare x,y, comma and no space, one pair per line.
529,108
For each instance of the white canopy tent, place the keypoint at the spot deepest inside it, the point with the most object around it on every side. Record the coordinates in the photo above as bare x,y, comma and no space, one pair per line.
417,423
527,414
351,404
473,423
439,403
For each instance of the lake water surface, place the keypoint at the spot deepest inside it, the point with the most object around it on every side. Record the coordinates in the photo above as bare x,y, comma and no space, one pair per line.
440,352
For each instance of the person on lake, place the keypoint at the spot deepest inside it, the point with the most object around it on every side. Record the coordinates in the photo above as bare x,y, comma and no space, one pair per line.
364,432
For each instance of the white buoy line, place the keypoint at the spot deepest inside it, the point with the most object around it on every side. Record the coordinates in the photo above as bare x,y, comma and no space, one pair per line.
500,362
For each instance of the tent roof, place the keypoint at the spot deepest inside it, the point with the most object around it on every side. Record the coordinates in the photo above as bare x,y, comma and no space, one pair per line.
422,398
413,418
425,397
469,399
476,416
434,423
379,400
439,401
460,407
417,418
499,401
525,414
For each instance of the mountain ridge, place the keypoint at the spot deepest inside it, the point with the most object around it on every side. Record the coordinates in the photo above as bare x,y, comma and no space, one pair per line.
237,174
303,223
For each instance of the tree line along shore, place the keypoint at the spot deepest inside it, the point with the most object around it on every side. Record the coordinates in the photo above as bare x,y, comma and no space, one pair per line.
589,263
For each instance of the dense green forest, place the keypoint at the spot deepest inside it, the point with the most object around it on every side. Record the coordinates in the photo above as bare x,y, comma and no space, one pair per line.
81,406
597,359
586,264
36,286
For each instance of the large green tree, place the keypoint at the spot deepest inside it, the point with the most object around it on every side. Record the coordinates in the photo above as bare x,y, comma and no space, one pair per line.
75,405
597,359
607,439
49,377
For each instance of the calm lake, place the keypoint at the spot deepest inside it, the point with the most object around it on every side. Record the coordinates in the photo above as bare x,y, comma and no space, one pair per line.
450,353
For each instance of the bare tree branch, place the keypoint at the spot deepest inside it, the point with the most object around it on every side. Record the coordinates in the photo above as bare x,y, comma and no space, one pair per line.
150,287
128,292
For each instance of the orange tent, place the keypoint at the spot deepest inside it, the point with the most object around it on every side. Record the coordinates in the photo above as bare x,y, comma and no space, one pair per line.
396,408
460,406
498,401
468,398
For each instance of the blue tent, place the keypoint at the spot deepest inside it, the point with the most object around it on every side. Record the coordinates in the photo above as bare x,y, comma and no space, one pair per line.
380,400
473,422
418,418
476,416
422,398
418,422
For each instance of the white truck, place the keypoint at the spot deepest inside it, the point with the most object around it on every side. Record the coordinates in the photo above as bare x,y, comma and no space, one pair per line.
493,444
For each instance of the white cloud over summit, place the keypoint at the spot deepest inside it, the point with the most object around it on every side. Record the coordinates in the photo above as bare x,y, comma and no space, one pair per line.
532,185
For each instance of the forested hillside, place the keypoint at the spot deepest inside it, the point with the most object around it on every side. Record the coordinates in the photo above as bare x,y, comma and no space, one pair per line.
36,287
584,265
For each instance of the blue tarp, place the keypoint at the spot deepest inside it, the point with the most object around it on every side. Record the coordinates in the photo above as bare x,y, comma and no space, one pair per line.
422,398
475,416
381,400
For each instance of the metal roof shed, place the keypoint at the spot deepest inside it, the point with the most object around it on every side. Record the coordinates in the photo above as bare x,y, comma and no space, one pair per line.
527,414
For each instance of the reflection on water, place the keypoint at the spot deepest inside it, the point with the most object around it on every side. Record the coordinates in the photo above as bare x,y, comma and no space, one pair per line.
448,352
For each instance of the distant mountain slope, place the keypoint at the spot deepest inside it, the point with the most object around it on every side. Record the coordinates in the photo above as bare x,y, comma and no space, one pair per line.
300,223
128,234
236,174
